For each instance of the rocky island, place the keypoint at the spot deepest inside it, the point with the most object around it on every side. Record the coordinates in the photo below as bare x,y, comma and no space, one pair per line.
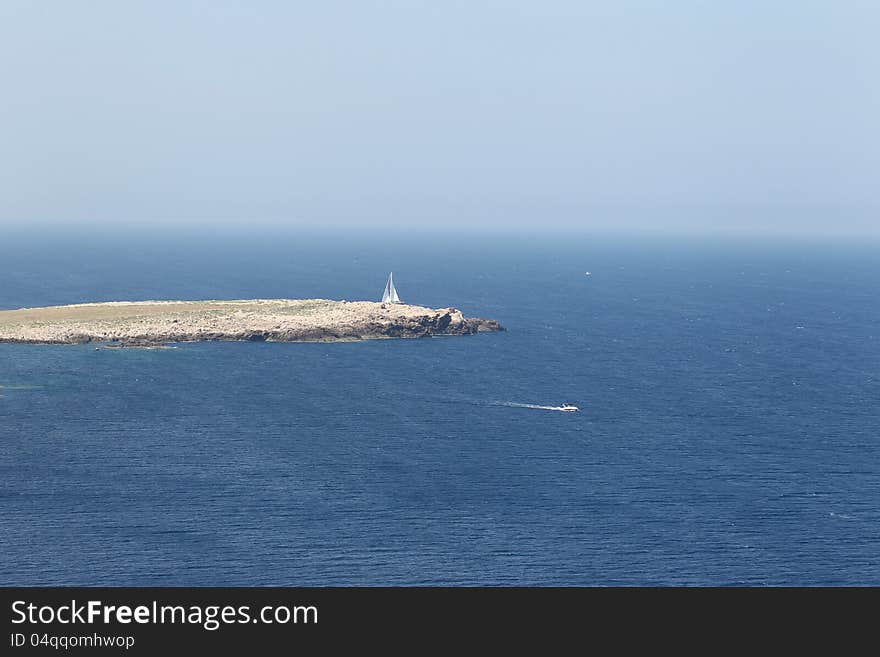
153,323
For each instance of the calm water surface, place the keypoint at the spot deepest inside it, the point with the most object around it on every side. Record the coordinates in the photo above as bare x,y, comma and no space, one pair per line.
729,433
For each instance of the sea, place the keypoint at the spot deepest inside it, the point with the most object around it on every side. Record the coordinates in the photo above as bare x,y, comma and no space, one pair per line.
728,433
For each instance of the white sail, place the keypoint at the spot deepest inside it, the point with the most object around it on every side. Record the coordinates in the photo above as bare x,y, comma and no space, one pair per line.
390,293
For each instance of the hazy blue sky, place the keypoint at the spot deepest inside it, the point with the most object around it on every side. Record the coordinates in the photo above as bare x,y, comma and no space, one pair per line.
555,113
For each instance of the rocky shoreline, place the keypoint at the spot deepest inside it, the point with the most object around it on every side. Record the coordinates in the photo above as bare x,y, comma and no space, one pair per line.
150,324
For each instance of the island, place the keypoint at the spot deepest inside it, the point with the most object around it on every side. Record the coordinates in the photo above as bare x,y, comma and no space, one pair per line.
155,323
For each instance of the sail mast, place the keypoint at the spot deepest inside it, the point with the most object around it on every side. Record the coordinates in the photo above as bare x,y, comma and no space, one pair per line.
394,297
390,293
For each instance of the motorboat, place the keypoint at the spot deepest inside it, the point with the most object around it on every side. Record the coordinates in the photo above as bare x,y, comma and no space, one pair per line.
569,408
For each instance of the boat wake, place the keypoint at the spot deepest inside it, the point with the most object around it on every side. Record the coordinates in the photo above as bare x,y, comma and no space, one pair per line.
534,406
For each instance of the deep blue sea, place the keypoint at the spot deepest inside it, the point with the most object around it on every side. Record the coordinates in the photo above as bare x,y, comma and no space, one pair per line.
729,430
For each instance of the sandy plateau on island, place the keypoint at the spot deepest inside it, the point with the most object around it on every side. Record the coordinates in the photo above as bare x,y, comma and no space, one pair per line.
281,320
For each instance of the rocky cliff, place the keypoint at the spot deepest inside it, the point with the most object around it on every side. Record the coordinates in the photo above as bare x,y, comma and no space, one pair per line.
279,320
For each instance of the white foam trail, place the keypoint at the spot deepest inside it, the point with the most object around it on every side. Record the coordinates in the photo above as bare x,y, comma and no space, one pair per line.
535,406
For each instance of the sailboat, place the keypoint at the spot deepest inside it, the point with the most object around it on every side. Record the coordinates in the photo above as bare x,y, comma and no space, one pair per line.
390,293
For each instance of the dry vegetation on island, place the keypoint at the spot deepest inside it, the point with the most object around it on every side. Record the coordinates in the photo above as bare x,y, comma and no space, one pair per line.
143,323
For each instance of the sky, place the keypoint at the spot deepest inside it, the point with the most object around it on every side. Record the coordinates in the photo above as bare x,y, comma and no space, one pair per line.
549,115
